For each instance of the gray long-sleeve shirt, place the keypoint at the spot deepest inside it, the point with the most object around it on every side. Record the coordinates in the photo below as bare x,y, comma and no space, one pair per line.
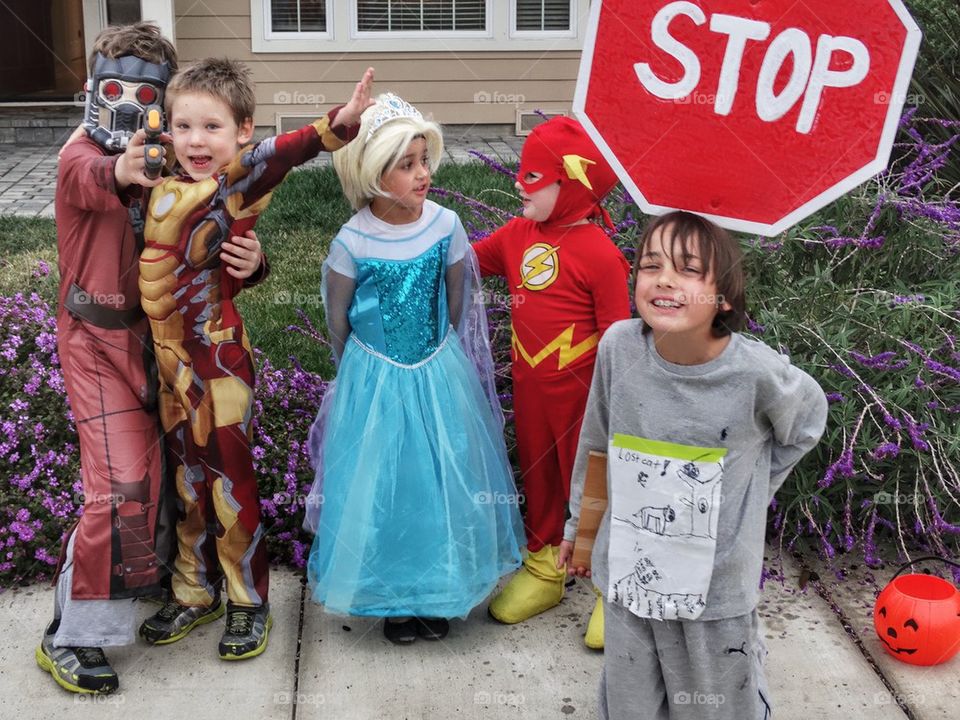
750,407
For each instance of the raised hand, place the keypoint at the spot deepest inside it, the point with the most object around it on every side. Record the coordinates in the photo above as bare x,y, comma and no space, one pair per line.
360,100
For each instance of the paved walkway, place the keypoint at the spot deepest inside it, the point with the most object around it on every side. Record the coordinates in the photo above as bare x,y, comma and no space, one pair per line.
28,174
324,666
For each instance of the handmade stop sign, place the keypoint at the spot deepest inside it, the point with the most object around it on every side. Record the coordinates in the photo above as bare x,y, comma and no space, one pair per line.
755,114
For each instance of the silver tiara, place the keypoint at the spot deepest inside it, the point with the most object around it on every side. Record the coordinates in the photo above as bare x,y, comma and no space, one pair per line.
391,107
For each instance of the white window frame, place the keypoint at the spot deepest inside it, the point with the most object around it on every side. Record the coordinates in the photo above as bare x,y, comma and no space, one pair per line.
544,34
270,35
343,37
357,34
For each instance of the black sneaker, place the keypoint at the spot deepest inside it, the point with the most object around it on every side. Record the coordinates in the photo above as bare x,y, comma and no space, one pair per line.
248,629
77,669
173,621
432,628
400,631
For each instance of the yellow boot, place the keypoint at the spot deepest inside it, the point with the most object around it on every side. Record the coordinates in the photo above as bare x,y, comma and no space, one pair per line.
536,587
593,638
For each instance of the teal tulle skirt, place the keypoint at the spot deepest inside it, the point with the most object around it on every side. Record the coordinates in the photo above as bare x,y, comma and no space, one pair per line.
414,506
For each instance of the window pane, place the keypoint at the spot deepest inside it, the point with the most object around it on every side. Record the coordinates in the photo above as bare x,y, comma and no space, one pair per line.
298,15
405,15
421,15
373,15
540,15
470,15
122,12
313,15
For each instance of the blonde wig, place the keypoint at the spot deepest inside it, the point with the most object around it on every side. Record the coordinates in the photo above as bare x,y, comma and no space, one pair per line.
386,130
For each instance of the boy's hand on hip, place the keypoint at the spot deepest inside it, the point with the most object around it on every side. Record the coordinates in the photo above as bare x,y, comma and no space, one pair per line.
242,255
350,113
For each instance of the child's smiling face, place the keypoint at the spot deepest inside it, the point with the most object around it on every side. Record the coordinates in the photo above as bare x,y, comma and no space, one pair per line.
673,294
205,135
539,204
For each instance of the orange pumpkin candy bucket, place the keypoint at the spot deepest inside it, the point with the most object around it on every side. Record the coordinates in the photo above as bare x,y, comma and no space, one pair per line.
917,617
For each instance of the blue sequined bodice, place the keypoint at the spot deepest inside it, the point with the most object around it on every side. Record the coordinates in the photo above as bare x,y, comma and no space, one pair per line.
400,306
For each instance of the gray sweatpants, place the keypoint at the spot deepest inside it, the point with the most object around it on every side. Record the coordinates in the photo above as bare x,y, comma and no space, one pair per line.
90,623
682,669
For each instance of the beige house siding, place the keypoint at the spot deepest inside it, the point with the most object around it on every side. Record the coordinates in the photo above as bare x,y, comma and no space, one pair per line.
458,88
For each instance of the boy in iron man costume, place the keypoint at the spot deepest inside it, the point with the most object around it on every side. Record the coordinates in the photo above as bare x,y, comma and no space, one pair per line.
203,354
568,284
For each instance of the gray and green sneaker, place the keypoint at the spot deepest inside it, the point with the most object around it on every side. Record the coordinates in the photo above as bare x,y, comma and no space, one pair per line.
247,631
77,669
173,621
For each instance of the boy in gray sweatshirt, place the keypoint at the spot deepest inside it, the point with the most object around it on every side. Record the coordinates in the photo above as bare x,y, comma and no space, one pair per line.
701,426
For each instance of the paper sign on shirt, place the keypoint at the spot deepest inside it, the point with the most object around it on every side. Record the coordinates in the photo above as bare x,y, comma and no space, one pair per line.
664,510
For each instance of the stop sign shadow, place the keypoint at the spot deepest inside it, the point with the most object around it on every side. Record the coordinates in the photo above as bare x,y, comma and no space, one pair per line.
755,115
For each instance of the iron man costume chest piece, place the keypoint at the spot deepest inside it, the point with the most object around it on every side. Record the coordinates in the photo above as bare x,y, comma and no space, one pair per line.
174,249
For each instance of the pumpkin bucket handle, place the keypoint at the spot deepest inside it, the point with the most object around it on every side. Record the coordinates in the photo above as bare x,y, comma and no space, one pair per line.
922,559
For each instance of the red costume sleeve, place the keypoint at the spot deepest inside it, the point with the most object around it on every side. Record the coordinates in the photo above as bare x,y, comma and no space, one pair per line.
265,165
87,178
609,278
490,252
274,157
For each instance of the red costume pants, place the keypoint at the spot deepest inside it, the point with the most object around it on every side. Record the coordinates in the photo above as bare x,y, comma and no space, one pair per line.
208,427
548,415
110,397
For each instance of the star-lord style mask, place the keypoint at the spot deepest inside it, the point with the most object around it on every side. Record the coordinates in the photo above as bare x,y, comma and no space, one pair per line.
117,93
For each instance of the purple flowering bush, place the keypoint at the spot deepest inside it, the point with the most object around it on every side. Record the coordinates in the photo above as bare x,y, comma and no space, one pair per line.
285,405
40,490
41,493
865,296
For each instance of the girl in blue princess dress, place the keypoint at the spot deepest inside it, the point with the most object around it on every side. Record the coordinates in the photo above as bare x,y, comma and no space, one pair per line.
414,506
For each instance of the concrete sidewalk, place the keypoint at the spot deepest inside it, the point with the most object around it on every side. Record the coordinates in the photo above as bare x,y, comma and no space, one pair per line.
323,666
28,174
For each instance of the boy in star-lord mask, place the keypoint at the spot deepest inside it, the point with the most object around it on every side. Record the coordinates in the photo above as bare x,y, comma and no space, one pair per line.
110,556
568,284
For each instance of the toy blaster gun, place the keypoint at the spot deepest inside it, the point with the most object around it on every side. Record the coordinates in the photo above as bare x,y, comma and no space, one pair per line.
153,150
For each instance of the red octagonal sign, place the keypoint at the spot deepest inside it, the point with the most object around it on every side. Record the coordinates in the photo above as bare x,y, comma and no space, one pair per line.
753,113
